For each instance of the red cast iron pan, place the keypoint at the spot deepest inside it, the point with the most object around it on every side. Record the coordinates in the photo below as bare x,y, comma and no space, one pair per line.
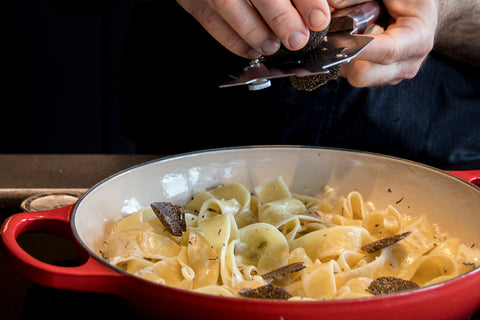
450,201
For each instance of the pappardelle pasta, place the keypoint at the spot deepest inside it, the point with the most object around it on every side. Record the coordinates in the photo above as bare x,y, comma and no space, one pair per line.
233,239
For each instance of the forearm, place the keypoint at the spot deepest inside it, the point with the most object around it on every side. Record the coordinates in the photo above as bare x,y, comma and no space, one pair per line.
458,30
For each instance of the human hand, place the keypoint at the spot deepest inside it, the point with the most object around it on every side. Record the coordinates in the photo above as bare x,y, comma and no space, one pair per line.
398,52
251,28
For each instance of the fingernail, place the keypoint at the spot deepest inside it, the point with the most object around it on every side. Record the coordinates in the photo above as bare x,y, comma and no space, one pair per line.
297,40
270,47
316,19
253,54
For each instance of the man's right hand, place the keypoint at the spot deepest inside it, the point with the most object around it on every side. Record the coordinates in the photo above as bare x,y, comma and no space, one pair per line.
258,27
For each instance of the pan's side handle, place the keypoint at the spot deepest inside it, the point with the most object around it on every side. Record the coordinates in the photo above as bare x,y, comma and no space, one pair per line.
91,275
472,176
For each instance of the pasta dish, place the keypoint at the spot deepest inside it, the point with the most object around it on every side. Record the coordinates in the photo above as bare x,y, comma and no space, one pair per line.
273,243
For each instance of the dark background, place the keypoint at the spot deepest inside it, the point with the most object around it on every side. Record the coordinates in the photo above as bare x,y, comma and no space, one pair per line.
60,76
60,61
98,76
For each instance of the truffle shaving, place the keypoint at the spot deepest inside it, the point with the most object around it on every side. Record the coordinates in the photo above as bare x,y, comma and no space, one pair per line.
289,268
171,216
385,242
268,291
386,285
310,83
315,40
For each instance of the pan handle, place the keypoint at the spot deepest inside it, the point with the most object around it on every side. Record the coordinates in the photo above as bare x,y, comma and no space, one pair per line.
472,176
91,275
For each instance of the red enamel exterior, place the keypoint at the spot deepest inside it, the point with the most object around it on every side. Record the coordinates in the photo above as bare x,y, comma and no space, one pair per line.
455,299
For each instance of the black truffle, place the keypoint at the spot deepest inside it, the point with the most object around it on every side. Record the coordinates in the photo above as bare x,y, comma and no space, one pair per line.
268,291
315,40
171,216
385,242
289,268
310,83
386,285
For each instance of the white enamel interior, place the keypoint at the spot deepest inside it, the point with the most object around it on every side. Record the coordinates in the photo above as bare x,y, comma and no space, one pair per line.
413,188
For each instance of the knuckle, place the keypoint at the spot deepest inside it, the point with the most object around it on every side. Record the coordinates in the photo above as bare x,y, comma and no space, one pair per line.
357,74
427,47
411,69
250,31
279,17
236,45
410,73
355,81
200,12
223,4
392,54
394,82
206,17
425,44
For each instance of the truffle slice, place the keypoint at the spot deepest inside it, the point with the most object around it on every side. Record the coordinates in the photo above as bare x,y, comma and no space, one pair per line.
386,285
315,40
289,268
268,291
385,242
310,83
171,216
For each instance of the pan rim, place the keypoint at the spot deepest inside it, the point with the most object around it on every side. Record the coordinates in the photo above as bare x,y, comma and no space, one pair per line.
421,290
